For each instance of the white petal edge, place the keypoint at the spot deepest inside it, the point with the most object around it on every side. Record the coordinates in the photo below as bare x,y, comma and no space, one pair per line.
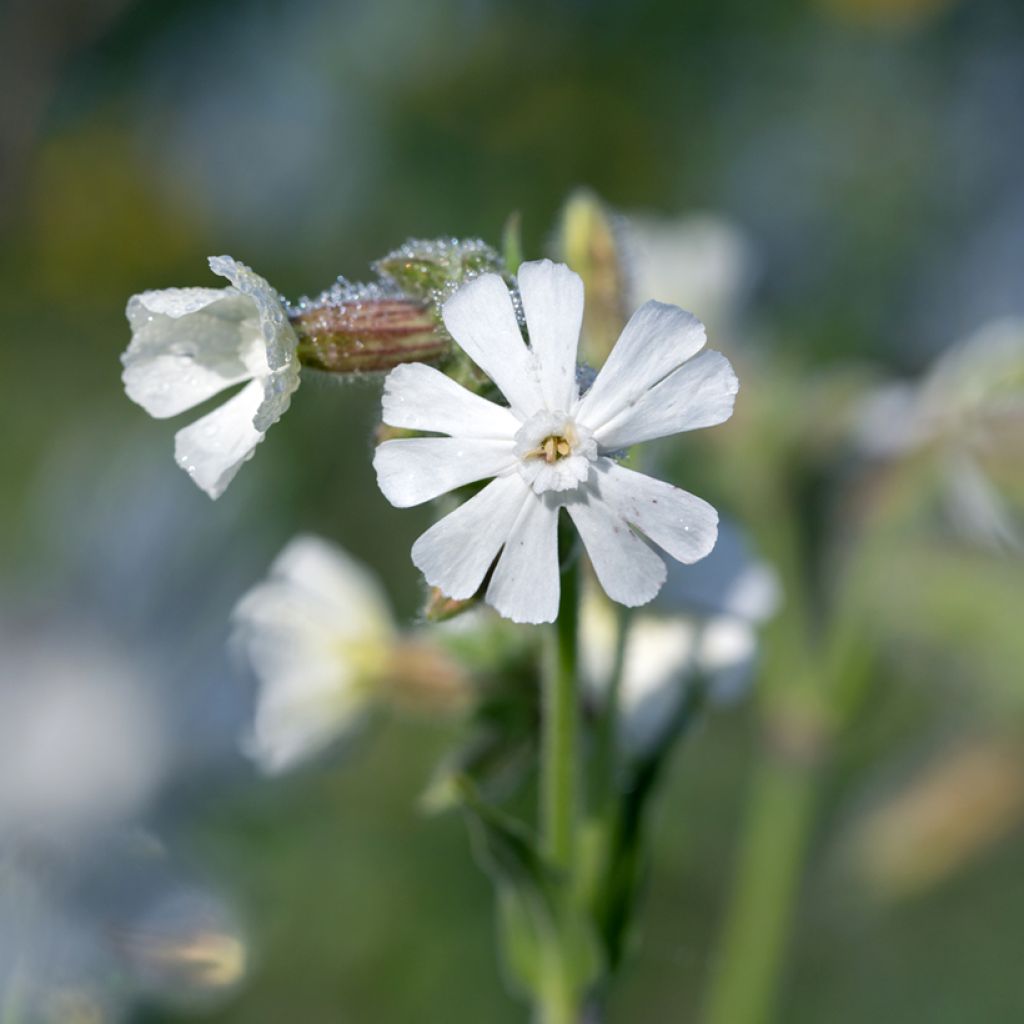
682,524
552,298
456,552
481,318
657,339
628,570
413,470
213,449
279,339
525,586
418,397
701,393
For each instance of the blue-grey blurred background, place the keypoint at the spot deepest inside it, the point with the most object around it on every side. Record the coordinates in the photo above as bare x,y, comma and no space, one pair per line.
869,155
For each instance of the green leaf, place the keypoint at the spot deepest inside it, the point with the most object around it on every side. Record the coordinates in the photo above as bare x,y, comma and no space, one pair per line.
546,939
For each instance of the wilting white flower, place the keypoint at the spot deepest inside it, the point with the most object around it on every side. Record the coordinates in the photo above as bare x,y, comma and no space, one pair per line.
704,624
316,634
970,402
189,344
700,261
551,448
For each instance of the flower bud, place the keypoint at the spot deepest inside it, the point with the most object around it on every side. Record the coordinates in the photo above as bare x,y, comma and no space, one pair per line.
587,240
433,269
345,332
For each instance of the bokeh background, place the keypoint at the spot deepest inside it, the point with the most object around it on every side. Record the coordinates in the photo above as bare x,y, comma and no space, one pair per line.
867,154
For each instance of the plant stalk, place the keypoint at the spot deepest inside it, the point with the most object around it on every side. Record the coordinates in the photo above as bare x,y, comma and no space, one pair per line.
559,796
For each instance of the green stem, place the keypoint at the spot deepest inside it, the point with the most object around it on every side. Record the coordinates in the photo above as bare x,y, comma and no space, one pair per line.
755,939
560,1001
560,739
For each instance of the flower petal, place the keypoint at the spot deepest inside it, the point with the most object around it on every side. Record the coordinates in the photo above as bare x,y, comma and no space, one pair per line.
700,393
187,345
212,449
418,397
628,570
411,471
279,339
683,524
480,317
317,584
525,585
278,335
657,340
456,552
553,303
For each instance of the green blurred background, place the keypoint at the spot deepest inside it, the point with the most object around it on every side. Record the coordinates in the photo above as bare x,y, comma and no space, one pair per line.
871,153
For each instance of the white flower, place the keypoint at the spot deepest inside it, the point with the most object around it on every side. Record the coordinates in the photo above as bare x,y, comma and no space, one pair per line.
968,405
316,634
704,624
189,344
551,448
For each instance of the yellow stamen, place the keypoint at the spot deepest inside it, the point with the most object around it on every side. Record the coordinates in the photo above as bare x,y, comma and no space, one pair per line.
551,449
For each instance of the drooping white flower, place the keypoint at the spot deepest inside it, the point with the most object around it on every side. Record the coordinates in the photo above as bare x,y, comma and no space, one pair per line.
315,633
703,625
550,447
189,344
320,638
967,407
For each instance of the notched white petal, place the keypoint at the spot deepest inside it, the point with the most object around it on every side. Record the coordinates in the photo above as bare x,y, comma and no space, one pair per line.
187,345
552,297
213,449
418,397
657,339
701,393
679,522
414,470
480,317
628,570
525,586
456,552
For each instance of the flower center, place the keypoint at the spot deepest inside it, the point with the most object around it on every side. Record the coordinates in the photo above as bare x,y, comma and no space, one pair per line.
554,452
551,449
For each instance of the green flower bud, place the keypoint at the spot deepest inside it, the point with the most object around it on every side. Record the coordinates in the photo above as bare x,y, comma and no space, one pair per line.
433,269
587,240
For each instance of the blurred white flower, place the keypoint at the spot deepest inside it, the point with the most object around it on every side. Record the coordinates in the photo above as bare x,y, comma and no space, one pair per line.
87,930
81,745
551,448
189,344
316,634
704,624
700,261
971,402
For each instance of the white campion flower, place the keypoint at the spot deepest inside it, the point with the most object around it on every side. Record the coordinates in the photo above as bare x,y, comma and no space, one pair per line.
969,404
551,447
316,634
189,344
704,624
